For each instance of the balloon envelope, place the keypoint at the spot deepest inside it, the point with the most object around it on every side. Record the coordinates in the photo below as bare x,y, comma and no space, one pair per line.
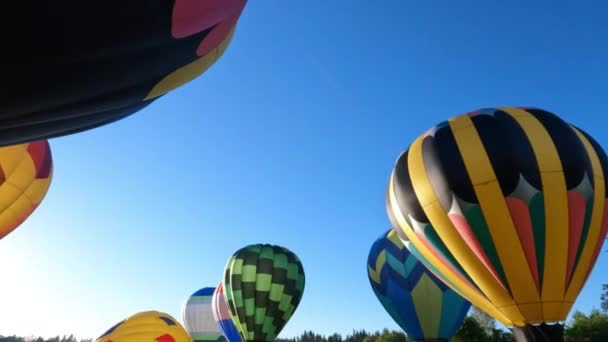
26,171
421,304
147,326
263,286
73,65
198,316
509,205
221,314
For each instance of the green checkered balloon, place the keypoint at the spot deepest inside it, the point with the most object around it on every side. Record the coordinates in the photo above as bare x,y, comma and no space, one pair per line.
263,286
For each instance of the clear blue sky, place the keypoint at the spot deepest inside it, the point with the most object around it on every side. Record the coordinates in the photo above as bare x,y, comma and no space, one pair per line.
288,139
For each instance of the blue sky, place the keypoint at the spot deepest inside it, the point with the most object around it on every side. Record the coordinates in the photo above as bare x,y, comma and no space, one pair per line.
288,139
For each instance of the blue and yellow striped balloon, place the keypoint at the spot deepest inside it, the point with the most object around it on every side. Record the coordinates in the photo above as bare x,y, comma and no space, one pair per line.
421,304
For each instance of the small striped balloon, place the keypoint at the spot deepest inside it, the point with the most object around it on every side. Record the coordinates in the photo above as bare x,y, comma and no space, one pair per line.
198,316
221,314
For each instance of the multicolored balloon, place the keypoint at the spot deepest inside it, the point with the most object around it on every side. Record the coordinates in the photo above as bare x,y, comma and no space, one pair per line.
106,59
26,171
197,315
508,204
222,317
263,287
147,326
421,304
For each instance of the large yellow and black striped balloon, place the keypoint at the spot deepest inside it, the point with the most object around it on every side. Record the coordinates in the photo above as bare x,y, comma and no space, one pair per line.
509,204
26,171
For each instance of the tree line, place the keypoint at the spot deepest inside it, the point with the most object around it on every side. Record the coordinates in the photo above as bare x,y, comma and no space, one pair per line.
477,327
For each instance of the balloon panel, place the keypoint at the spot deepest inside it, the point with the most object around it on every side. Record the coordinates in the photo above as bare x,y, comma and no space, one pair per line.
421,304
509,204
26,171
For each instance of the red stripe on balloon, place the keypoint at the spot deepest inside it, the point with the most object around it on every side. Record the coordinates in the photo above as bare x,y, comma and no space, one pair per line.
165,338
219,33
40,152
523,225
193,16
463,227
446,263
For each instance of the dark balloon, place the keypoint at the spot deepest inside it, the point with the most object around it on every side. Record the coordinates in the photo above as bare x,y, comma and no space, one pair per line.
70,66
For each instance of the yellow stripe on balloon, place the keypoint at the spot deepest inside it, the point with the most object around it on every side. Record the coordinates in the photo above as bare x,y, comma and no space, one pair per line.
428,299
556,213
11,157
8,194
38,189
585,262
450,236
191,71
467,292
380,261
394,238
498,217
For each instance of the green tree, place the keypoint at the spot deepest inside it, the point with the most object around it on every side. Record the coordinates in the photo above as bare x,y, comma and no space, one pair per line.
386,336
334,338
604,298
587,328
487,322
471,330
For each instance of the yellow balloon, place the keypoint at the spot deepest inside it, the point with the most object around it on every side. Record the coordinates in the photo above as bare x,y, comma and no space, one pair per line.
147,326
26,171
510,206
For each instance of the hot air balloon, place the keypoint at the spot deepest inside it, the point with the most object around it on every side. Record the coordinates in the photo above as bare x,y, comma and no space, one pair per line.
74,65
147,326
197,315
26,171
421,304
263,286
509,205
221,315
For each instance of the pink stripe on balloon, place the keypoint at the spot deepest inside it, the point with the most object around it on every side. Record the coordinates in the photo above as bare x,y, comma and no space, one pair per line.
219,305
219,33
193,16
462,226
446,263
520,214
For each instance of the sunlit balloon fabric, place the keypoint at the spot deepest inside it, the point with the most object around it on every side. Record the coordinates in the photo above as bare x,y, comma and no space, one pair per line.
422,305
26,171
263,286
147,326
198,316
221,314
509,204
74,65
